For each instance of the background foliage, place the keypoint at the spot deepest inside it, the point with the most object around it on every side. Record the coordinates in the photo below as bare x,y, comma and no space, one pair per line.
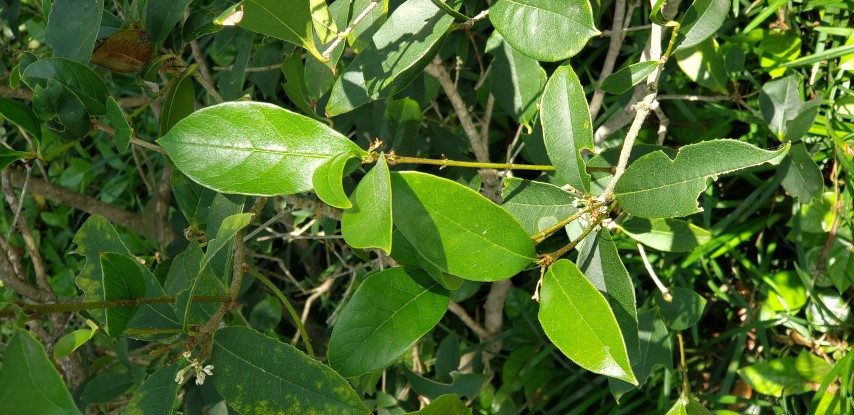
153,234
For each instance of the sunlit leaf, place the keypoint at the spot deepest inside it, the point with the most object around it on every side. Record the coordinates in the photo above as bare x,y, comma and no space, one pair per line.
368,223
327,179
536,205
702,20
292,24
669,235
624,79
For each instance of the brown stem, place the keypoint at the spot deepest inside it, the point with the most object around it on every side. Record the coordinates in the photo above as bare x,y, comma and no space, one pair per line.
27,235
40,309
610,57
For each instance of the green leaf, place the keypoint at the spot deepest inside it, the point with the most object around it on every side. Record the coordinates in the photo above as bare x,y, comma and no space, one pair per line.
156,396
463,384
360,36
193,199
184,269
684,310
801,176
599,261
798,127
66,114
655,349
458,230
324,26
687,405
780,101
179,103
122,280
106,387
266,314
7,157
545,30
97,235
579,321
72,28
401,122
776,377
368,223
384,68
77,77
29,382
257,375
159,17
252,148
536,205
231,81
20,114
292,24
654,186
405,254
778,49
704,64
624,79
387,314
566,126
445,405
327,180
786,292
123,130
71,341
668,235
702,20
521,80
295,84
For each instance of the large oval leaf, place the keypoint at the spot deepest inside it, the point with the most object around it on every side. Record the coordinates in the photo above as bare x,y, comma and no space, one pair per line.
252,148
65,33
257,374
579,321
368,223
458,230
123,280
519,80
388,313
655,186
79,78
29,382
292,23
702,20
566,126
546,30
536,205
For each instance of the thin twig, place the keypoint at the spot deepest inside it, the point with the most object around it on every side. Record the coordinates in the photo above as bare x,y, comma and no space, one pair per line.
133,139
610,57
199,57
250,69
665,292
460,312
315,294
27,235
343,35
706,98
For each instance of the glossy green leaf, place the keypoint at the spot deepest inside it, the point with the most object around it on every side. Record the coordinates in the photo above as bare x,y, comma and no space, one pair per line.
780,101
545,30
179,103
776,377
654,186
65,113
536,205
605,163
360,37
464,384
687,405
786,294
159,17
655,350
405,254
77,77
458,230
29,381
624,79
704,64
368,223
386,315
445,405
70,342
123,130
384,68
72,28
156,396
702,20
122,280
600,262
327,180
295,84
252,148
257,374
401,122
579,321
7,157
801,176
684,310
521,80
798,127
566,126
20,114
106,387
778,48
668,235
292,24
324,26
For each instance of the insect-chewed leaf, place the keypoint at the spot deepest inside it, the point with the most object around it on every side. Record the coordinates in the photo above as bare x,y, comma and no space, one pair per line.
655,186
253,148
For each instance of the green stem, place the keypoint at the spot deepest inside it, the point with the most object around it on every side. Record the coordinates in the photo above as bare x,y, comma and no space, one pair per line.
162,92
291,310
550,258
539,237
395,159
37,309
